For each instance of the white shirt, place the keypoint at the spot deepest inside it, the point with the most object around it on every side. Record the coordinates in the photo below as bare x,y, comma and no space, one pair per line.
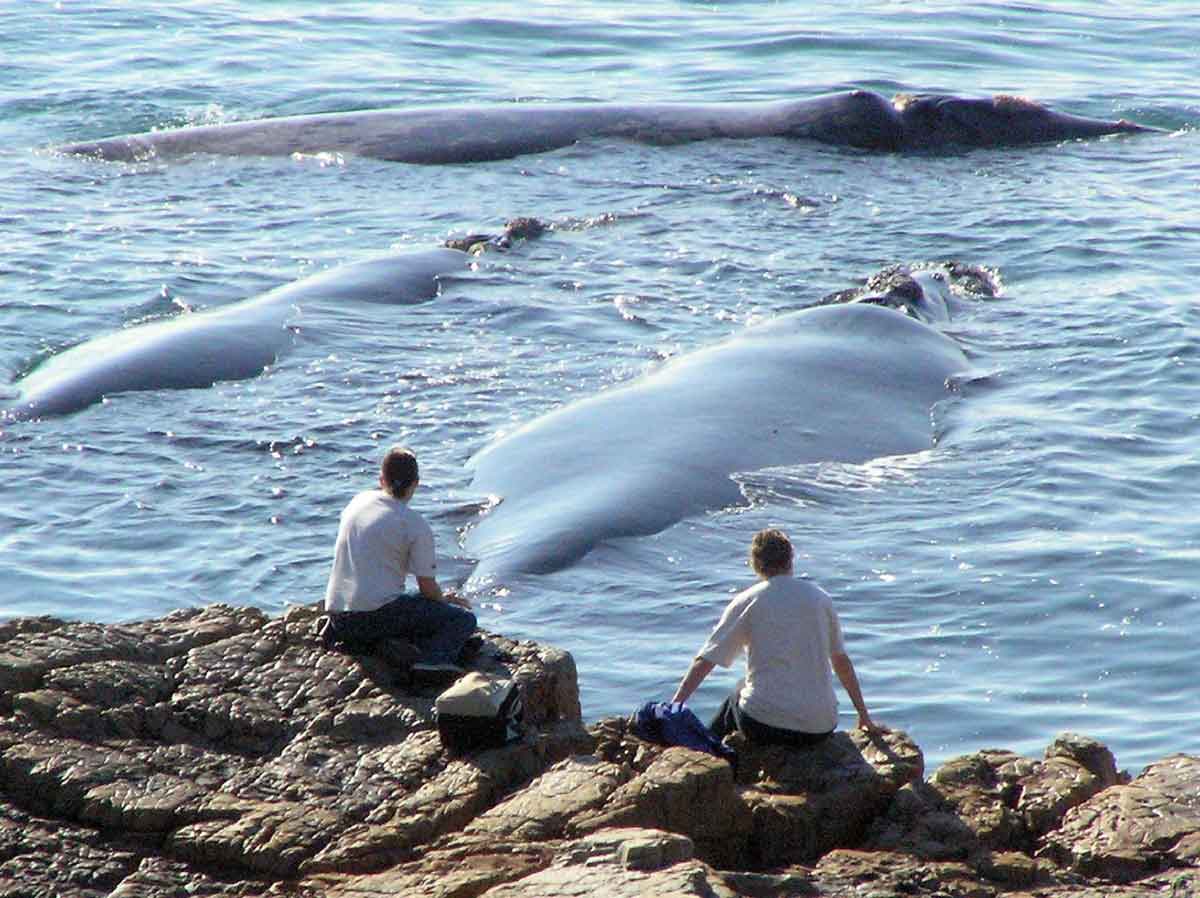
380,541
789,630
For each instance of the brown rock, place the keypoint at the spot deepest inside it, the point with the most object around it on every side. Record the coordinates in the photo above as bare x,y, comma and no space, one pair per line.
461,867
31,649
220,753
668,794
1131,831
236,742
621,863
40,856
806,802
881,873
541,810
994,801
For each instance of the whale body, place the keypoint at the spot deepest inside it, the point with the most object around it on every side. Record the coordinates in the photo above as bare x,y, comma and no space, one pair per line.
858,118
844,383
232,343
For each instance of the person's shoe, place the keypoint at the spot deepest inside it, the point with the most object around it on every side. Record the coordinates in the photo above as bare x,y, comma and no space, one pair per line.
324,630
400,654
470,649
432,673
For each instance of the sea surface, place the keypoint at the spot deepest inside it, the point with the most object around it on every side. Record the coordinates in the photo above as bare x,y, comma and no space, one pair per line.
1036,570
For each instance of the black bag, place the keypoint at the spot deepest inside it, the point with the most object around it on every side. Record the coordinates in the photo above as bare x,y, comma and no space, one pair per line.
479,712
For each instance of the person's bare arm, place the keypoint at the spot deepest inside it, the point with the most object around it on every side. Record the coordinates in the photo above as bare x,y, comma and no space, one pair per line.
429,588
844,668
701,668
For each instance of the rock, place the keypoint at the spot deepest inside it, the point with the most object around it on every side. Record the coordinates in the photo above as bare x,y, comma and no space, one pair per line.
803,803
237,742
884,873
653,850
31,649
667,794
542,810
459,867
991,808
1133,830
41,856
621,863
221,753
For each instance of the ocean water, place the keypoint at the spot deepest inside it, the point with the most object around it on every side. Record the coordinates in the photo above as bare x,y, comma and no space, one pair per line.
1036,570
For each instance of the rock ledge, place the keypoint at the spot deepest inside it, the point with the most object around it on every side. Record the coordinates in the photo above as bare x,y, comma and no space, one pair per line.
220,752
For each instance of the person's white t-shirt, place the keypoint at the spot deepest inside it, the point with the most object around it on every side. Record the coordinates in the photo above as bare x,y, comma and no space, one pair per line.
788,629
380,542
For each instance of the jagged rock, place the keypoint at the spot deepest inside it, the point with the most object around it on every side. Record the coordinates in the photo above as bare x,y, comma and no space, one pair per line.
805,802
43,857
1073,770
237,742
667,794
541,810
886,873
1136,829
621,863
30,650
625,863
456,868
447,802
224,754
990,808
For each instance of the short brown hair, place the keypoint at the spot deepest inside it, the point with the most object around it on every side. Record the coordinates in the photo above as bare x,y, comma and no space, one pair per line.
398,471
770,553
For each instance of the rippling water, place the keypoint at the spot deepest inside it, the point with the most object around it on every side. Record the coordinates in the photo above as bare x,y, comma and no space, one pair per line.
1035,571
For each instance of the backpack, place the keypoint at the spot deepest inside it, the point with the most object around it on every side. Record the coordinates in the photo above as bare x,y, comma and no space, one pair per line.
479,712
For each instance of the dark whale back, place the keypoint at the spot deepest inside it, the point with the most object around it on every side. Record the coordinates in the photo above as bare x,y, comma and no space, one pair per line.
857,118
443,135
939,120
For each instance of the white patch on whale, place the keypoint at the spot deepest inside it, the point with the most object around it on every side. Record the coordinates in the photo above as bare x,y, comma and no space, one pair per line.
842,383
231,343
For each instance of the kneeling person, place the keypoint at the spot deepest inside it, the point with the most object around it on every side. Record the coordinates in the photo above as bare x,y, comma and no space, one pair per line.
380,541
792,637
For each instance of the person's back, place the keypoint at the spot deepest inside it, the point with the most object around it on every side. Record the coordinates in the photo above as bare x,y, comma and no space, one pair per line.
792,632
380,540
793,643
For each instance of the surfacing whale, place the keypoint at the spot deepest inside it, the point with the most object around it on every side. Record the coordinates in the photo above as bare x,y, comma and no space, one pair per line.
847,382
435,135
231,343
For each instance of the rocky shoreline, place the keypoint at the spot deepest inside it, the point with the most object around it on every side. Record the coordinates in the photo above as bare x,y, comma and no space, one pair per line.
222,752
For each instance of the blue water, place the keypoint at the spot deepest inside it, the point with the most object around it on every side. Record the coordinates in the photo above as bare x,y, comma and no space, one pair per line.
1035,572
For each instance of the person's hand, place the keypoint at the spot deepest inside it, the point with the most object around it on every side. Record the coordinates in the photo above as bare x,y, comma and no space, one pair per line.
870,727
455,599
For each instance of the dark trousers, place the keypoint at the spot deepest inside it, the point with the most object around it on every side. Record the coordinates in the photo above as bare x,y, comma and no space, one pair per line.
439,629
731,717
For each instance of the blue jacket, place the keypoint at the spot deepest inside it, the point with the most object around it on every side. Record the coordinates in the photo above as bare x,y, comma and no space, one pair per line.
673,723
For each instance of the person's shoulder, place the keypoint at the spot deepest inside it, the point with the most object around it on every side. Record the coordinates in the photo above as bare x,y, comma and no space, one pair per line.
803,586
751,593
366,497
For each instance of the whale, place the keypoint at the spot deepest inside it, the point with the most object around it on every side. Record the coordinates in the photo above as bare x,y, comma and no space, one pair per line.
235,342
460,134
849,381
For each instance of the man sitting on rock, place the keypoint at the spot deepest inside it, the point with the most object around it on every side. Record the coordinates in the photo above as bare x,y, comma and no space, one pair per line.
791,636
380,541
